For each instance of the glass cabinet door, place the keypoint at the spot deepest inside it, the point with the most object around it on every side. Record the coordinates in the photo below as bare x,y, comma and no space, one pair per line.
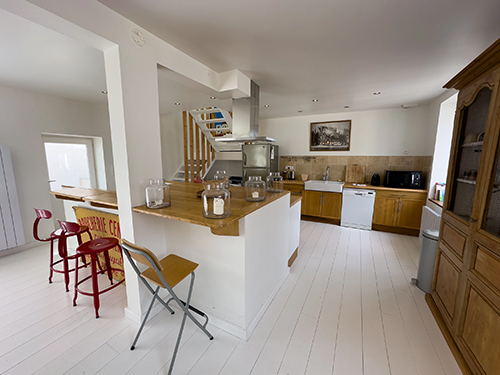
473,123
491,221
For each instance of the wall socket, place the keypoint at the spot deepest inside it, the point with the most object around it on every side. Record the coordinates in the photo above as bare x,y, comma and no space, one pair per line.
288,168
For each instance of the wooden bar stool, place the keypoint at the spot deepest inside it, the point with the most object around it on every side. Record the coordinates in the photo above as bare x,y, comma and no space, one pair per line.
165,273
93,249
55,235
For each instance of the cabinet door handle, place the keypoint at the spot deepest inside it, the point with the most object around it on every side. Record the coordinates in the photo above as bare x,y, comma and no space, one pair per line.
472,220
400,205
396,206
400,195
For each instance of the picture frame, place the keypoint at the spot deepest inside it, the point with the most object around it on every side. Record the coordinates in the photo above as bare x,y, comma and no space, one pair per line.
330,136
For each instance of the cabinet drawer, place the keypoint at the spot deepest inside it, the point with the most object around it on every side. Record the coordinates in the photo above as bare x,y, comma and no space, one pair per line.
400,194
453,239
487,265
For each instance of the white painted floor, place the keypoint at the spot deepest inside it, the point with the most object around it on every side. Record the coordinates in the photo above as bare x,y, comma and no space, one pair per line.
348,307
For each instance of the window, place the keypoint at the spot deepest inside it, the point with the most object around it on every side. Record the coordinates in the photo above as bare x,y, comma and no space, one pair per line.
70,161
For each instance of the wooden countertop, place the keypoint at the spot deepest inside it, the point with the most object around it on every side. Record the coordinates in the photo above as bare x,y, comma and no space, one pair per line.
186,206
293,182
294,199
96,197
368,186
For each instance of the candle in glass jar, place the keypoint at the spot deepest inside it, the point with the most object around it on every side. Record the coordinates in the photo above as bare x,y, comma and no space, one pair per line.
218,206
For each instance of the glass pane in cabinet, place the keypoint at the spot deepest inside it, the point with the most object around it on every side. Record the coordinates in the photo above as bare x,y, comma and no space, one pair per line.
491,221
474,120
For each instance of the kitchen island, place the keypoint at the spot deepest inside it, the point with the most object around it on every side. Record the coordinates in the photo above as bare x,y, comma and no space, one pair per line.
243,258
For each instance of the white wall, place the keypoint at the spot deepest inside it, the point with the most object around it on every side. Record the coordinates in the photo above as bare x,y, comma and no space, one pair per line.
25,115
444,134
172,143
379,132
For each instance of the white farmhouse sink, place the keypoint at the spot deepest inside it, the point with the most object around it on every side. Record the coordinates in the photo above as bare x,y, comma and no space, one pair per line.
333,186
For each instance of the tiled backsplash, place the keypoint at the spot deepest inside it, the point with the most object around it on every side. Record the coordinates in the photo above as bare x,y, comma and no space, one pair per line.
315,166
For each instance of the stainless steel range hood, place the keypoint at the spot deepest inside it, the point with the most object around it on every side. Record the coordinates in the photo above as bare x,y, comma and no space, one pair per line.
246,119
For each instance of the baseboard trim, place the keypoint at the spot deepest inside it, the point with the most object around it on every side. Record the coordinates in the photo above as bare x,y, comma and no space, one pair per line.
462,364
293,257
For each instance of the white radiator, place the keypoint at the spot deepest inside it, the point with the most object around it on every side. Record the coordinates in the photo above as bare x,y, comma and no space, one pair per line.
430,220
11,226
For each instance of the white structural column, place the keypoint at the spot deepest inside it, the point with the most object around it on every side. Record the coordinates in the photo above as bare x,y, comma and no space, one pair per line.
132,85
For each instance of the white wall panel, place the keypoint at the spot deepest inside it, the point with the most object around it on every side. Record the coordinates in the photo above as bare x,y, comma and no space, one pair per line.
11,227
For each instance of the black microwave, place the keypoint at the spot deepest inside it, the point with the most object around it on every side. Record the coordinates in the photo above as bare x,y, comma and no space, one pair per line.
403,179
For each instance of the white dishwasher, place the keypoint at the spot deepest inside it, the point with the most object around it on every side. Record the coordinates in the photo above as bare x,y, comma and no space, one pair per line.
357,208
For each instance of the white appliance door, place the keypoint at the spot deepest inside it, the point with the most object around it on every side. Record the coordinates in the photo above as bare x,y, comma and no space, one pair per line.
357,208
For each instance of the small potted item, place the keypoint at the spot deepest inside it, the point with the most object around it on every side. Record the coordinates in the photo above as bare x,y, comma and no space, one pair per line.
157,193
274,182
255,189
216,200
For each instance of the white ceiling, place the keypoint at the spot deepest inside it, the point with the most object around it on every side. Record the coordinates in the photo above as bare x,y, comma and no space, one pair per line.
337,51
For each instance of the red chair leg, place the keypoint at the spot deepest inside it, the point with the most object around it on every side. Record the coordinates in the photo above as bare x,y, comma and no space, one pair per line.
66,273
51,267
95,285
108,267
76,281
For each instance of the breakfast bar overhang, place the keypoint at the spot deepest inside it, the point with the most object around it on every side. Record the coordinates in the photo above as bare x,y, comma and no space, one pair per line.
243,258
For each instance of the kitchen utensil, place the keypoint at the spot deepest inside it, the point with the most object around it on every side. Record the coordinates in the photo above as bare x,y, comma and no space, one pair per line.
355,174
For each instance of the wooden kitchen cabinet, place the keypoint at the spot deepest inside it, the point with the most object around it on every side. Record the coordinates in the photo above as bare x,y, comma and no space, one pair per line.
322,204
394,208
466,289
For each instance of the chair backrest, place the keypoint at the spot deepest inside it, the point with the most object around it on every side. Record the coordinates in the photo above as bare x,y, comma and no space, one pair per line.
40,214
141,254
68,229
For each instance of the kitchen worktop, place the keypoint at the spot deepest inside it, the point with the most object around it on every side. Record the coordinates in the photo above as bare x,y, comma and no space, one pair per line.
186,206
95,197
371,187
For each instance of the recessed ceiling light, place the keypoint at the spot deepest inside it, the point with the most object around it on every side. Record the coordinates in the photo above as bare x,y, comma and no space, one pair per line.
213,97
315,100
346,106
376,93
177,103
266,105
104,92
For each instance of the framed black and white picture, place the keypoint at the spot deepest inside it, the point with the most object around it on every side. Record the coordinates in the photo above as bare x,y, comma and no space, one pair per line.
331,136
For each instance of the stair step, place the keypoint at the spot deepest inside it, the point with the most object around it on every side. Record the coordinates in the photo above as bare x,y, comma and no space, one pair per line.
204,111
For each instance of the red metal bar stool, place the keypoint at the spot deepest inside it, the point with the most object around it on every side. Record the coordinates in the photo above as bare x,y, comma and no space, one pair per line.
92,249
55,235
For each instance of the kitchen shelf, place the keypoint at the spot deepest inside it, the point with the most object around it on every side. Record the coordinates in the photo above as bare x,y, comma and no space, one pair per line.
470,182
473,144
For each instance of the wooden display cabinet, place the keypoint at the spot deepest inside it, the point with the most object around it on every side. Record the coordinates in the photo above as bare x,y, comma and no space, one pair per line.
466,288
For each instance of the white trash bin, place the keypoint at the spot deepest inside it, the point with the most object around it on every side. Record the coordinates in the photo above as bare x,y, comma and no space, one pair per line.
427,260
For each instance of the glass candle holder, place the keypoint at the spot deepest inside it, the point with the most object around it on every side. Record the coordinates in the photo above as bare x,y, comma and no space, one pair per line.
222,176
157,193
274,182
216,200
255,189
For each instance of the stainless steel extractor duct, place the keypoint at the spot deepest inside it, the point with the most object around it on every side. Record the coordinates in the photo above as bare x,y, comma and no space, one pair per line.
246,119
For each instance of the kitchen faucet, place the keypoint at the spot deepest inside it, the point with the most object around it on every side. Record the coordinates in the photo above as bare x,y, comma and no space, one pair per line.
326,176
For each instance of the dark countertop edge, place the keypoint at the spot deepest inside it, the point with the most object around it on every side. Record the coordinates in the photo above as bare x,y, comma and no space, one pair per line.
371,187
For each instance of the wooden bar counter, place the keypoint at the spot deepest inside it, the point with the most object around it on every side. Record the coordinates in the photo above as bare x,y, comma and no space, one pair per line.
243,258
186,206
